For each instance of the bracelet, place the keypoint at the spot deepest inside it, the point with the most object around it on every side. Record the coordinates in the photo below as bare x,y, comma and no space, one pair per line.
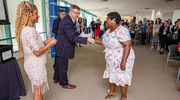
44,42
48,45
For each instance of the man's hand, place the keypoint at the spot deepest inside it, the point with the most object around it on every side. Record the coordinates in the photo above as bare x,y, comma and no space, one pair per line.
91,40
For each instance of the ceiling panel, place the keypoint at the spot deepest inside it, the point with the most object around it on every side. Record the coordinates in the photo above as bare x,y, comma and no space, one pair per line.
126,7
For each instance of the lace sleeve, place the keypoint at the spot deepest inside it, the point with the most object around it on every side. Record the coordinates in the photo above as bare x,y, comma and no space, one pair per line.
31,39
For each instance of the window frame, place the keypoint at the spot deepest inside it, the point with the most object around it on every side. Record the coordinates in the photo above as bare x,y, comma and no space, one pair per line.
7,29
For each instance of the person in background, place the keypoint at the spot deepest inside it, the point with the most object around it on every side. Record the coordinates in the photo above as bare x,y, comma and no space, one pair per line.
84,20
163,32
151,27
31,45
174,31
132,30
55,27
65,47
56,22
131,27
105,28
92,25
118,54
157,26
80,27
97,29
127,23
169,36
122,22
179,51
139,31
178,23
148,33
144,27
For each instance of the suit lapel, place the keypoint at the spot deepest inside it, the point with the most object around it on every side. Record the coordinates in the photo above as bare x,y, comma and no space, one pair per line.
70,19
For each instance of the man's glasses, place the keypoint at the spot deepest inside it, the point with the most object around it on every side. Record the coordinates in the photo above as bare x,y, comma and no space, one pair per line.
76,13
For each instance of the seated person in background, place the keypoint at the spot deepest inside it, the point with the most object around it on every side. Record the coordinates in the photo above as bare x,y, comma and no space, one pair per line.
179,56
179,47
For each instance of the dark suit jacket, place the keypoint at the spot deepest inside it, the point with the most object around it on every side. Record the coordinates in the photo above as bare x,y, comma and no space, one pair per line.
161,30
56,26
67,37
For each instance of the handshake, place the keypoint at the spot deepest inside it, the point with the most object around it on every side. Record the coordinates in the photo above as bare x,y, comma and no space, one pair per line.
91,40
51,41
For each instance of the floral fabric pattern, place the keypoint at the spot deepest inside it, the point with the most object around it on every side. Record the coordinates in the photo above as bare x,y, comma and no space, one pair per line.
113,56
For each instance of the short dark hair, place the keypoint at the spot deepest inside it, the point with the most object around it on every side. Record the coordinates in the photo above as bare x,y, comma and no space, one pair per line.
152,21
73,7
115,15
61,11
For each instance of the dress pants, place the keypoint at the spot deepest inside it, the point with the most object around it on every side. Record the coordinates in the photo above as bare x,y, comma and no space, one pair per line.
61,68
163,41
143,38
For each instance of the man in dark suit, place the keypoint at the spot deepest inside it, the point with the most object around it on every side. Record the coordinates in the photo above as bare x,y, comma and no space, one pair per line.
56,22
93,23
55,27
66,38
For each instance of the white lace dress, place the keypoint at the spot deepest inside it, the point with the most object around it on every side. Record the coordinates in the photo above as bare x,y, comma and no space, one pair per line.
34,65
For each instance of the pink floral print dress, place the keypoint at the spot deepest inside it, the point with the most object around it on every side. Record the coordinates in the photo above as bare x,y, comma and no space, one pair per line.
113,56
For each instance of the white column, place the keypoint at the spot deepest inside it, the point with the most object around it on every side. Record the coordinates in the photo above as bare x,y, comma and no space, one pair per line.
156,14
176,15
137,18
153,15
82,13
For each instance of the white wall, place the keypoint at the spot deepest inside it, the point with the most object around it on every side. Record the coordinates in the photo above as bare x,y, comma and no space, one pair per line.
176,15
126,17
139,17
47,18
167,16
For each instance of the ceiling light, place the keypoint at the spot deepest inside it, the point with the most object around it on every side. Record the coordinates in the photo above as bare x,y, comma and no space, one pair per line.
168,0
104,0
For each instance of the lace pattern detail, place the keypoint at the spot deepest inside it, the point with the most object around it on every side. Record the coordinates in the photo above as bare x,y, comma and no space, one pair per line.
34,65
40,86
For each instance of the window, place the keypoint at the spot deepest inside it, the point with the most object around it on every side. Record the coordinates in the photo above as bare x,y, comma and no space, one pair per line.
38,25
7,32
12,7
80,13
10,29
62,3
2,35
88,17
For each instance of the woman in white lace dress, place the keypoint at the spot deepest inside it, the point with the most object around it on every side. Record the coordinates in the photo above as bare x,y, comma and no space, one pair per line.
32,47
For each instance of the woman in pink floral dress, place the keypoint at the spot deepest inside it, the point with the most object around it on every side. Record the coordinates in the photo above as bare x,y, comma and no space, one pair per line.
118,54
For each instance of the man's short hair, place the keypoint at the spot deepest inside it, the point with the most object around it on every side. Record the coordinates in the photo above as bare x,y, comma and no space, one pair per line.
73,7
61,11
